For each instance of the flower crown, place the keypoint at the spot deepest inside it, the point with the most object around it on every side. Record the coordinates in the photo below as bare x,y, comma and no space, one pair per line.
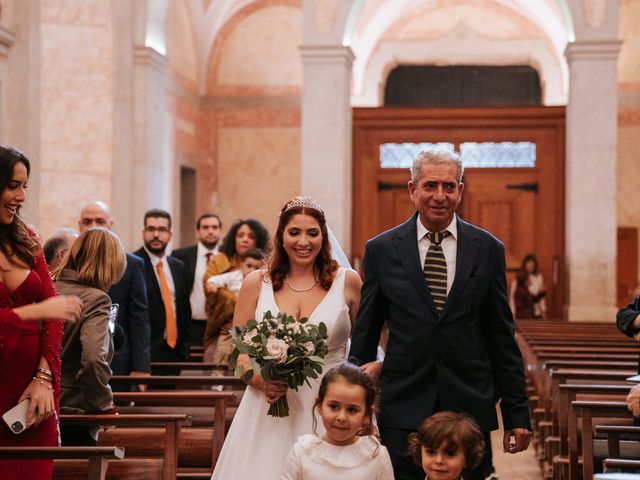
303,202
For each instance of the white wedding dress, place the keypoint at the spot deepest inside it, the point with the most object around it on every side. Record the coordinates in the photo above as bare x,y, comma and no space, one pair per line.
257,444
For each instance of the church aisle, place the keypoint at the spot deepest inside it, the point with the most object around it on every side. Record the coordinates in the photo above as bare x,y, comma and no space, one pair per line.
521,466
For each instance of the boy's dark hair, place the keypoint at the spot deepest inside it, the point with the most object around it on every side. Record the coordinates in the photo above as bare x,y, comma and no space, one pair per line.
455,430
255,253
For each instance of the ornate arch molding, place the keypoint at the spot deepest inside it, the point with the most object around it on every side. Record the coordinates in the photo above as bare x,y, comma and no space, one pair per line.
369,69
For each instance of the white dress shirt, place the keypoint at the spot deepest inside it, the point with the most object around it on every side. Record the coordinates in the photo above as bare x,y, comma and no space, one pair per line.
197,297
449,247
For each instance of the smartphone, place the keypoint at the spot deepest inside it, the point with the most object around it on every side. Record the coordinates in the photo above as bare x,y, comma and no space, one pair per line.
16,418
113,316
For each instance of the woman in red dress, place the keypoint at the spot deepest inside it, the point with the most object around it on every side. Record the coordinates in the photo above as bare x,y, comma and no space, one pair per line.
30,326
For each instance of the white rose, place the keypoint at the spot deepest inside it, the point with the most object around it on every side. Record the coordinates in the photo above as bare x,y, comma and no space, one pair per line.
249,336
277,349
309,346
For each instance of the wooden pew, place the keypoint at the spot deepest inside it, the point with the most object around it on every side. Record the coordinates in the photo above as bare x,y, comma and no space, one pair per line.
588,410
185,400
98,457
178,381
172,423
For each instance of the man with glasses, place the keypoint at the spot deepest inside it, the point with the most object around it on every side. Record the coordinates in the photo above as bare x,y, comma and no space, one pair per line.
167,290
132,356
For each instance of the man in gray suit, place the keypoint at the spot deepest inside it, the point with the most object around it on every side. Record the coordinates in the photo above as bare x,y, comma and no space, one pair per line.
439,283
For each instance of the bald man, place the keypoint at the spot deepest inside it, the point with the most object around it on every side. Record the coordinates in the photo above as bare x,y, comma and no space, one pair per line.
133,357
57,246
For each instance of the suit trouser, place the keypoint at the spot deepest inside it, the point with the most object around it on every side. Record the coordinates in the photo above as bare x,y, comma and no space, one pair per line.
405,468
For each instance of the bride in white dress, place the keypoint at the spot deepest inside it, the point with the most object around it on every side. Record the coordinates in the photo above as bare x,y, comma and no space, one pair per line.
302,280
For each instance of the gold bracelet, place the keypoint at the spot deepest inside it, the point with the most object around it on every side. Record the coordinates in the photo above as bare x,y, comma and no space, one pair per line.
46,379
45,371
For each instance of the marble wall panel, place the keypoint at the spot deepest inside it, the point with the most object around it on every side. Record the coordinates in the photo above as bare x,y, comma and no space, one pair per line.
65,194
628,59
261,49
259,170
77,99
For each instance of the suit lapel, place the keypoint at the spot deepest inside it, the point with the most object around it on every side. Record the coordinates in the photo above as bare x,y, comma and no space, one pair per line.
465,261
406,243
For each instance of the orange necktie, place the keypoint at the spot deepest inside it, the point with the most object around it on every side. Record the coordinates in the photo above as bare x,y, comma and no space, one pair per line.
170,316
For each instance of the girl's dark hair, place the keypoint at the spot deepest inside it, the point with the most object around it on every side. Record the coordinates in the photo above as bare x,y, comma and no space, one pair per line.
17,242
454,430
354,376
325,266
229,242
530,258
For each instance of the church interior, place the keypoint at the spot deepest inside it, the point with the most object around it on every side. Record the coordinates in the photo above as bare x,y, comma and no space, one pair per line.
236,106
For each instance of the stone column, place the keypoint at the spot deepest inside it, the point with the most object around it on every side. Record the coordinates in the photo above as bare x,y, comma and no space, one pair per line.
152,160
326,134
591,180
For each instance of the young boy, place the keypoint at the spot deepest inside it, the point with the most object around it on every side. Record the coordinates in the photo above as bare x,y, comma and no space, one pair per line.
232,281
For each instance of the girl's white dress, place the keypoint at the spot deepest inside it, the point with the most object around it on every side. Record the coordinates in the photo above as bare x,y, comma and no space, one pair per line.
257,444
314,459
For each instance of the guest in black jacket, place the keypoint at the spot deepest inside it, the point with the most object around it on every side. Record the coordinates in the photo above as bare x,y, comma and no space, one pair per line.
167,290
196,257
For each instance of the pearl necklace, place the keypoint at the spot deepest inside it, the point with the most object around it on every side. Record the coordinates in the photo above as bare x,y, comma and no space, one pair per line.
300,290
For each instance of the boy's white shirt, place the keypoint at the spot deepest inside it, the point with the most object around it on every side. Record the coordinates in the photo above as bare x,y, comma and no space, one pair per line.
232,281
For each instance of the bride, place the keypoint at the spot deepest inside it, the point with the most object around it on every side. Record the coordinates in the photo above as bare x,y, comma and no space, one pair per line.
302,280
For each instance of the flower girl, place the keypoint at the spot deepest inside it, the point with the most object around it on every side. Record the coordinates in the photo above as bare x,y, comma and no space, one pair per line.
447,445
347,450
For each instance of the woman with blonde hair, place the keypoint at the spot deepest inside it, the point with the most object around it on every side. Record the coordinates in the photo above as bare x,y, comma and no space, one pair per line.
95,261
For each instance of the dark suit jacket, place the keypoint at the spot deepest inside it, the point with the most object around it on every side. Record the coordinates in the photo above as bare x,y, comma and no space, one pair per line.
188,256
131,294
160,351
625,318
465,358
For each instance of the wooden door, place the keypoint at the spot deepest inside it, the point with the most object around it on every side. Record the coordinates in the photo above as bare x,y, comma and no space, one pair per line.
627,265
523,207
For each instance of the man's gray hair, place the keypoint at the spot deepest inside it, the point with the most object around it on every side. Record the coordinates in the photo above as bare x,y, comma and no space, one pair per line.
436,156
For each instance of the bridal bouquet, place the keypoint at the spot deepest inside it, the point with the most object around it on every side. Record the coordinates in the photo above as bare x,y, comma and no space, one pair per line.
280,348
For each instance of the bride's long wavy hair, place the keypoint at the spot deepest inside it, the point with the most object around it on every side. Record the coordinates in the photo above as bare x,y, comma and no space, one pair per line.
325,266
18,243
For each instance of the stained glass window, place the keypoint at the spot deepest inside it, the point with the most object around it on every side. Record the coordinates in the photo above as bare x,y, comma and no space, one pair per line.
401,155
498,155
473,154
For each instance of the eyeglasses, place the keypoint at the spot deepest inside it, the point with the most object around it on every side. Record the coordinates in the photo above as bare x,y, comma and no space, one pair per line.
157,229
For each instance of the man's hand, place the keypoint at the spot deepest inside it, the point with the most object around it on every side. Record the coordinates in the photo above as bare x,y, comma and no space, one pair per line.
373,369
633,401
516,440
141,388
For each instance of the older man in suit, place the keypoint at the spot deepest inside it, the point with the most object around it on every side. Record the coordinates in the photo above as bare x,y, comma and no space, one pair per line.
167,290
439,283
196,257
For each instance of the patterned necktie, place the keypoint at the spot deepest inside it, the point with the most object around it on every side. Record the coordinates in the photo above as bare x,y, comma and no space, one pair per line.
435,269
170,316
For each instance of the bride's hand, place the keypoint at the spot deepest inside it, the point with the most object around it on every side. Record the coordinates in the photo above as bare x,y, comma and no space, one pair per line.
274,389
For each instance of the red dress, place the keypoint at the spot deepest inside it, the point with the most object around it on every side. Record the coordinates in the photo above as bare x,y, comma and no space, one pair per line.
21,346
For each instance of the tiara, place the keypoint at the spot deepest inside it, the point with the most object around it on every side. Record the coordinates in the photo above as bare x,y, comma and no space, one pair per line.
303,202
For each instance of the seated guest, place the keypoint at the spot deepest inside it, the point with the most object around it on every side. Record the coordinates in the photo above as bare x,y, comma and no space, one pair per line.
628,321
95,262
216,342
633,401
57,246
244,235
167,290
